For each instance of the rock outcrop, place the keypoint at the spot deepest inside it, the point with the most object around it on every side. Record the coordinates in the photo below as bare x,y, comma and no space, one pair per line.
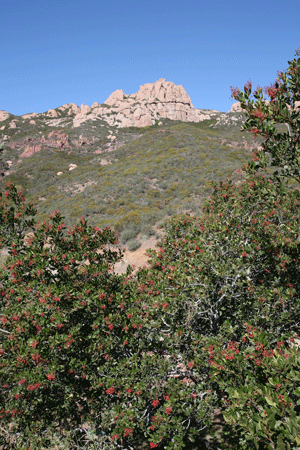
30,115
4,115
235,107
51,113
58,139
12,124
152,102
30,150
55,139
71,108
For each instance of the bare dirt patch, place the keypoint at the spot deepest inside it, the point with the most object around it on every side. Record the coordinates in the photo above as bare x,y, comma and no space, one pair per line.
138,258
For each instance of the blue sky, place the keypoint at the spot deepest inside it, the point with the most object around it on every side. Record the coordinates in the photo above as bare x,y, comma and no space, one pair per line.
56,52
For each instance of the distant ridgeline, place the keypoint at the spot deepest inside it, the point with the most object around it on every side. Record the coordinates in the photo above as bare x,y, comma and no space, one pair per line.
126,163
153,101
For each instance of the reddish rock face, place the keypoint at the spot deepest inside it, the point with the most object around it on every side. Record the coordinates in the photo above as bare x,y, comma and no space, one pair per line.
57,139
30,150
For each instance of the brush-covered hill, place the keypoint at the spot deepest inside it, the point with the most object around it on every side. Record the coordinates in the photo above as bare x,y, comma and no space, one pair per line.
89,162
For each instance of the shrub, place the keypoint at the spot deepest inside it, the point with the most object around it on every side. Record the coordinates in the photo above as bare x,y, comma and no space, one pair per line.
236,265
132,218
78,345
133,245
60,314
262,384
146,356
16,216
128,234
147,231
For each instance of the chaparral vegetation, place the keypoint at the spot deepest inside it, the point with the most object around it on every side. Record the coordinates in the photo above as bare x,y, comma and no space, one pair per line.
210,329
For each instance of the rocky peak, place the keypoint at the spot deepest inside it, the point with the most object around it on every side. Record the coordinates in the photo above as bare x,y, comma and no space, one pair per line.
151,103
115,97
71,108
162,91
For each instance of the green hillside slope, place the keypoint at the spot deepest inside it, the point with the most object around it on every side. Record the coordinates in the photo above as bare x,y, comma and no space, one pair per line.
130,183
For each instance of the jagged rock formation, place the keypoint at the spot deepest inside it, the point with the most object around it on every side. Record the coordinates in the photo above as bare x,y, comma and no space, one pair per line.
153,101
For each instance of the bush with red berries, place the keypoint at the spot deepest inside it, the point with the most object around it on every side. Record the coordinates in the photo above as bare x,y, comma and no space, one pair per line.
210,327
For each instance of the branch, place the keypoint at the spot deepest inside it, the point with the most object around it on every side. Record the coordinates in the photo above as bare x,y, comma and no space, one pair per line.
4,331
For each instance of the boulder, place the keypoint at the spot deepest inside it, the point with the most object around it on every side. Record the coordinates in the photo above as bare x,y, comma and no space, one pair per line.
51,113
4,115
115,97
85,109
235,107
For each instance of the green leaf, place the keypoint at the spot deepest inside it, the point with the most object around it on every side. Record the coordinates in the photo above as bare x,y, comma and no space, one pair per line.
280,444
270,402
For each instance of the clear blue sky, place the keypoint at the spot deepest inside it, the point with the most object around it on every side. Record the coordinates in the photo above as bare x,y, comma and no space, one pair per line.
61,51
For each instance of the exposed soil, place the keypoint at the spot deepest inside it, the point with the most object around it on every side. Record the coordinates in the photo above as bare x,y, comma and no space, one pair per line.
138,258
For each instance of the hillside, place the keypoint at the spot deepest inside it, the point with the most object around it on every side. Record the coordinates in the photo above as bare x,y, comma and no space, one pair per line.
82,162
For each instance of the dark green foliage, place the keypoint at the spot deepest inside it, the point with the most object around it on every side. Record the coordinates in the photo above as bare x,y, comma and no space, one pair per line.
278,121
144,356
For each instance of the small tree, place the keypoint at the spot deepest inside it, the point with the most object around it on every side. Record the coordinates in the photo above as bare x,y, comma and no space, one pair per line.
82,346
63,314
234,267
278,120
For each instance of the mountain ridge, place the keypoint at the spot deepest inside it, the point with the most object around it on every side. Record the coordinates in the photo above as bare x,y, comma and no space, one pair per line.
151,103
100,161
